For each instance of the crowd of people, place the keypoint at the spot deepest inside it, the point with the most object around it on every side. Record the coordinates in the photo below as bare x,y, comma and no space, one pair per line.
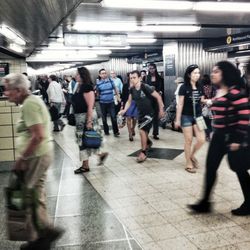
223,99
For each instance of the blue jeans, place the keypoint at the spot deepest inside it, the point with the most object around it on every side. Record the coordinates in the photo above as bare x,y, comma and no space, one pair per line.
109,108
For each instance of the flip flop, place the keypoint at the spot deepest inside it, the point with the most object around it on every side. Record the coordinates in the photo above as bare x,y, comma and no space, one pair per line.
190,170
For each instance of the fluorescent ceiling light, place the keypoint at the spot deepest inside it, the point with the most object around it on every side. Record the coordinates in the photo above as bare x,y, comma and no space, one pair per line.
67,54
105,26
222,6
243,51
141,40
10,34
70,52
170,28
148,4
16,47
62,47
140,36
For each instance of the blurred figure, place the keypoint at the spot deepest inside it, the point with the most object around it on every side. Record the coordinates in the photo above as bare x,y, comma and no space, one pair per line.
143,76
131,114
209,93
105,90
189,107
155,80
179,81
86,117
119,85
142,94
43,86
56,98
34,146
231,124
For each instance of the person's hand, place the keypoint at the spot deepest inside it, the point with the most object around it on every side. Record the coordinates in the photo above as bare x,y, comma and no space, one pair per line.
19,165
161,114
119,98
121,112
89,125
234,146
177,124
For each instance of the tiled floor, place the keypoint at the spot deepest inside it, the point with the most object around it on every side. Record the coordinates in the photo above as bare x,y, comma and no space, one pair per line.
149,199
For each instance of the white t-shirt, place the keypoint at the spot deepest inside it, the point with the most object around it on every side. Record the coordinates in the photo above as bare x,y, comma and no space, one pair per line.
55,92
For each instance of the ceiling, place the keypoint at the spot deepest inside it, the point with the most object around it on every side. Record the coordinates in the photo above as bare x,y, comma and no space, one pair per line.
42,22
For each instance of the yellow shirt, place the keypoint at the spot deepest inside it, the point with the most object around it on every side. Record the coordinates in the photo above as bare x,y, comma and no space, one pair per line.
34,111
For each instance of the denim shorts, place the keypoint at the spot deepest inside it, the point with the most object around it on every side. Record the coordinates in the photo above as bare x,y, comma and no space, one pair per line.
187,121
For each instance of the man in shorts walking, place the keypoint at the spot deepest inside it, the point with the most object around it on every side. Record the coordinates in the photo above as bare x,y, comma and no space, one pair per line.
143,94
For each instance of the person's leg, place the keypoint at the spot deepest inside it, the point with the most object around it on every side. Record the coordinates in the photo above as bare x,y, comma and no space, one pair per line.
134,121
200,140
238,161
129,125
34,179
144,144
216,151
156,126
113,118
104,110
188,137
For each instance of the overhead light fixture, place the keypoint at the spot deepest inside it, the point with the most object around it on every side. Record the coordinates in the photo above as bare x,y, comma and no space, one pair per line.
105,26
170,28
10,34
222,6
16,47
141,40
67,54
148,4
62,47
242,51
70,51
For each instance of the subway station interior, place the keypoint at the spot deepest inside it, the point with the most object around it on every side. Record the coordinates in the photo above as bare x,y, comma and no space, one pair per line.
122,204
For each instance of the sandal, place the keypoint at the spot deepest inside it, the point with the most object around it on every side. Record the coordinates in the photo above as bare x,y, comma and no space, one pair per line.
190,170
102,158
195,162
141,157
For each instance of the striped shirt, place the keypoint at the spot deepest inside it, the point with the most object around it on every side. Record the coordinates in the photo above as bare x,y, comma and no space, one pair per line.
106,90
231,112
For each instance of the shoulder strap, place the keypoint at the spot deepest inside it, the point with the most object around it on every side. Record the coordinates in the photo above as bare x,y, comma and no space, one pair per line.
145,91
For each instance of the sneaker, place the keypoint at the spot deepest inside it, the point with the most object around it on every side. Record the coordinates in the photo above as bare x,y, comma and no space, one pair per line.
117,134
149,144
39,244
62,127
201,207
156,137
243,210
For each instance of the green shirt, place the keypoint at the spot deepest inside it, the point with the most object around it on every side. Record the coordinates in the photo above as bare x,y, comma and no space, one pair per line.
34,111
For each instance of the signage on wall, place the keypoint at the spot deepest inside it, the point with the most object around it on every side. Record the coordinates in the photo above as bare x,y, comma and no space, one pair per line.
94,40
170,65
227,42
4,69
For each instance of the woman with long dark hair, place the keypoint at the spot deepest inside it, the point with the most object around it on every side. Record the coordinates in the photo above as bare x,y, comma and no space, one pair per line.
230,109
189,107
85,115
154,79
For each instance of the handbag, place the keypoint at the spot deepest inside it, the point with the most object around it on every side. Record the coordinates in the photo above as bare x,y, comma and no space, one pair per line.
19,201
201,124
91,139
206,112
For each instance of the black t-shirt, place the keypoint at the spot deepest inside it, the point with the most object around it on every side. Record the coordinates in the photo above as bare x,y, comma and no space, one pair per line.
78,100
143,102
189,94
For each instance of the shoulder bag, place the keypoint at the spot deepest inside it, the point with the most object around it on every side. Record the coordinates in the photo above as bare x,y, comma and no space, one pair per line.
199,120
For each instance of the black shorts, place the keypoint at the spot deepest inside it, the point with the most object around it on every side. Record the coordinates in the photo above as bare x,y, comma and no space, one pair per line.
145,123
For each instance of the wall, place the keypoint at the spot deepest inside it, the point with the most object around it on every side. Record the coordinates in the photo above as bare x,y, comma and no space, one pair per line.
184,54
15,65
119,65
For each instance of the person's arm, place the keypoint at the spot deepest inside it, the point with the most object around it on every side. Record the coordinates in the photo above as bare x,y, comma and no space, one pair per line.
160,103
179,110
128,103
90,101
36,137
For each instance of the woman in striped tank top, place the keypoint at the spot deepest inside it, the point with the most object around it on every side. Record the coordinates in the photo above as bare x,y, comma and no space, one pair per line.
230,109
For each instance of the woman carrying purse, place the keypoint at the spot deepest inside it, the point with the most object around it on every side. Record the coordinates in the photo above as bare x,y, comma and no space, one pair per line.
230,109
86,117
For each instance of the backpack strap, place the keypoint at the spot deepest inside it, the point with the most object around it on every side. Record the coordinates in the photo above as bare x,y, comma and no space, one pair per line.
145,91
